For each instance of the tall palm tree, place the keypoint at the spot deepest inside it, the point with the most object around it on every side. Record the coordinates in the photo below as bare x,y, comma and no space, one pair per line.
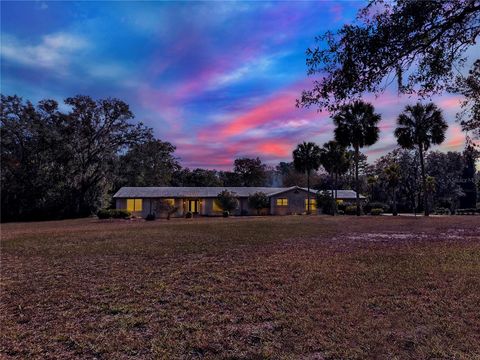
356,126
392,174
306,157
421,126
333,158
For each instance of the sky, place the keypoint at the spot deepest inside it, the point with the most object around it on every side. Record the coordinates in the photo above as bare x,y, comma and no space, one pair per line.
219,80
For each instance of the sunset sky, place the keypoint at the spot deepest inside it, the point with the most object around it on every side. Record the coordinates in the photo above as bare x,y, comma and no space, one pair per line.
219,80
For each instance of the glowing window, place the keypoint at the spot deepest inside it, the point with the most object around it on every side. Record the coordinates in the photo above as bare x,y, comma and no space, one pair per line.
134,204
313,204
282,202
216,205
170,202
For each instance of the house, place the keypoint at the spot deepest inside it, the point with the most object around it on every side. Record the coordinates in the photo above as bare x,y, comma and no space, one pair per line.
142,201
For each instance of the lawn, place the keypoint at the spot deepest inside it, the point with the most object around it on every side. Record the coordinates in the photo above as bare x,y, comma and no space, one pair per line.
291,287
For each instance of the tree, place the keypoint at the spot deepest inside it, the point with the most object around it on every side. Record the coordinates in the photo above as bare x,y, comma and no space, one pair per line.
424,39
392,174
229,178
227,200
197,177
469,87
356,126
250,171
333,158
258,201
469,199
431,187
150,163
421,126
306,158
60,164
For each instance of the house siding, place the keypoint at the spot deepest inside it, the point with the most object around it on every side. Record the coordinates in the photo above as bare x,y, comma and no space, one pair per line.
296,202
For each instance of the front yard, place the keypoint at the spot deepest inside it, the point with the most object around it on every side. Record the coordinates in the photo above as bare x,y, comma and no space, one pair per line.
269,287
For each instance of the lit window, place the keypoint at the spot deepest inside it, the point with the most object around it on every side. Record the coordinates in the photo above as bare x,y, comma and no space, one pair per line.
170,202
313,204
282,202
216,205
134,204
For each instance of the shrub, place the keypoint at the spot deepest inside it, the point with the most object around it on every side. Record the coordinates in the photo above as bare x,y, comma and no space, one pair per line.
227,200
150,217
226,213
113,213
351,210
258,201
442,211
188,215
326,203
341,212
468,211
376,205
120,214
375,211
104,214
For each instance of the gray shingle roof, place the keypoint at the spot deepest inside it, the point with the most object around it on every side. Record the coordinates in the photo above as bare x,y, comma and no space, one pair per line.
204,192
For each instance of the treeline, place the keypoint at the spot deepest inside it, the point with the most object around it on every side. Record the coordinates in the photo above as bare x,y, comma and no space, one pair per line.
60,163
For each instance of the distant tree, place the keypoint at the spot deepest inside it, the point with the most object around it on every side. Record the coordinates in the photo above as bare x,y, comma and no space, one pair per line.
227,200
424,39
197,177
60,164
421,126
251,172
356,126
470,156
258,201
229,178
392,174
306,158
334,160
150,163
430,189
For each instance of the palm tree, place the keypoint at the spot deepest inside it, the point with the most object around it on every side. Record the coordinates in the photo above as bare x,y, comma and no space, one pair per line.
392,173
306,157
333,158
356,126
421,126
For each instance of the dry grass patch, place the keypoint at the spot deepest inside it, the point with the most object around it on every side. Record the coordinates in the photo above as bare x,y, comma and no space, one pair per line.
269,287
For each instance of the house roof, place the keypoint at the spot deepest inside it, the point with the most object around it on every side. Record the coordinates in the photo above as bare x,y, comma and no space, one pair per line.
212,191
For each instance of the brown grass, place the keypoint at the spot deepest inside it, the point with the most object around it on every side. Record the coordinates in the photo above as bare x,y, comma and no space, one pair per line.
271,287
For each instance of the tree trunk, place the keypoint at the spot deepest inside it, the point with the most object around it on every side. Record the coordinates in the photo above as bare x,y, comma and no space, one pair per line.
395,213
424,181
357,183
308,194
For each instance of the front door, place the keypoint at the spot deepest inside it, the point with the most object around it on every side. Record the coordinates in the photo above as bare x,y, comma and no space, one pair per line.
193,206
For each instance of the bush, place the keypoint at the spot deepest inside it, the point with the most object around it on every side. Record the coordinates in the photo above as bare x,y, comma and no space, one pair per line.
150,217
376,211
104,214
120,214
188,215
227,200
226,213
442,211
376,205
341,212
468,211
351,210
326,203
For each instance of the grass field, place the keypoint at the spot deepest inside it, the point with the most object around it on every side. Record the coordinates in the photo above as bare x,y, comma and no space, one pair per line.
247,288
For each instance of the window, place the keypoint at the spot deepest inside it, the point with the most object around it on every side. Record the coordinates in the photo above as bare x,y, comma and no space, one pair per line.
313,204
170,202
282,202
216,206
134,204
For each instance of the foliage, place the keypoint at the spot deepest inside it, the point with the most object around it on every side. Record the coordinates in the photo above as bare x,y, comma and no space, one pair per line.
188,215
351,210
424,39
251,172
227,200
165,206
326,203
356,126
114,213
421,126
258,201
392,174
376,211
226,213
150,163
197,177
376,205
306,158
469,87
60,163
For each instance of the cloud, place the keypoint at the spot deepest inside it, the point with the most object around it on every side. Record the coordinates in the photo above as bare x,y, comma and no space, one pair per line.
54,51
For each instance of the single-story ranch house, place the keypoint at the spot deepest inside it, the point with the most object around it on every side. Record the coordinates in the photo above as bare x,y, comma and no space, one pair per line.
142,201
